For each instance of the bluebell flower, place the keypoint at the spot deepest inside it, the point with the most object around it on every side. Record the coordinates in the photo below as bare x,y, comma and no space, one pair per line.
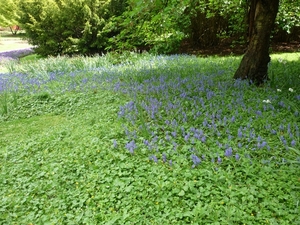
283,140
259,139
164,157
219,160
232,119
186,137
115,144
258,145
281,103
281,127
263,144
273,131
168,138
237,157
240,133
293,143
154,158
146,142
259,113
131,146
195,160
228,152
174,134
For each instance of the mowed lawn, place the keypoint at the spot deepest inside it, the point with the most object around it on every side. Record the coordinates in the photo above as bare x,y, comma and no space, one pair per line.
148,139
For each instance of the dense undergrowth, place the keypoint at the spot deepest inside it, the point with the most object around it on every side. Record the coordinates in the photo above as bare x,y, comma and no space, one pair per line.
143,139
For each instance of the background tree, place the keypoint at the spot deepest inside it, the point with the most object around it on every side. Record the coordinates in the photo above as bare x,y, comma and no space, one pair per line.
160,26
9,14
254,64
65,26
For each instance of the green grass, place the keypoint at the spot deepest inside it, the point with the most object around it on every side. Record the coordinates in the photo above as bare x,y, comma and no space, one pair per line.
31,57
117,140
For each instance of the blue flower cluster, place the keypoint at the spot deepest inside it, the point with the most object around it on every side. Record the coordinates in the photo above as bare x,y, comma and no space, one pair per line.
176,111
195,114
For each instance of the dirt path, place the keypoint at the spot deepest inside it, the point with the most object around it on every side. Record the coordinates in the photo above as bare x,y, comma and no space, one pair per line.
12,46
9,44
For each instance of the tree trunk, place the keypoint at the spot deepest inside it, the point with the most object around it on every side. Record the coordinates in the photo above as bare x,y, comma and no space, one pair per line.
254,65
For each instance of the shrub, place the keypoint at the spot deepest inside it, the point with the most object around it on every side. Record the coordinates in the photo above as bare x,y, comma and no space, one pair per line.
66,26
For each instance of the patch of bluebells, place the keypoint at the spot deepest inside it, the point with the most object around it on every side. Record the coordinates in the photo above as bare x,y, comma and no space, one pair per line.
194,111
175,108
14,54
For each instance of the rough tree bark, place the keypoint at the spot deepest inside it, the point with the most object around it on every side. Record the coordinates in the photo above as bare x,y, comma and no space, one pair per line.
254,64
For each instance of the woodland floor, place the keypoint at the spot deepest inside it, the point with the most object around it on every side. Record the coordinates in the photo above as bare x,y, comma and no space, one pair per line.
227,49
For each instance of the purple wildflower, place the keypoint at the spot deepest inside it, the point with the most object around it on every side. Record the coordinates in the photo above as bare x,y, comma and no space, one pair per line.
154,158
219,160
195,160
281,103
232,119
131,146
115,144
228,152
164,157
237,157
263,144
186,137
283,140
259,139
293,143
146,142
219,144
273,131
240,133
258,112
174,134
281,127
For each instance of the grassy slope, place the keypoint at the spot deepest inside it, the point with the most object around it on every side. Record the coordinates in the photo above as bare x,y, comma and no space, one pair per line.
59,164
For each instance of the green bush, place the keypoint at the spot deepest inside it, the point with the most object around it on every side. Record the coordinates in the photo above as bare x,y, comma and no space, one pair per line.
65,26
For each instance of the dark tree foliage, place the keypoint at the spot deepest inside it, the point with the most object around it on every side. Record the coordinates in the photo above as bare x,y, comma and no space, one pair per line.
160,26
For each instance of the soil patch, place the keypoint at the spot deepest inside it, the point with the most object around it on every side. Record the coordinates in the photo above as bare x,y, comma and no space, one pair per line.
227,49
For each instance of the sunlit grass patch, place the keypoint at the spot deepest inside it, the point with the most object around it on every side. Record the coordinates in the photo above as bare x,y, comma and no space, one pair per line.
22,129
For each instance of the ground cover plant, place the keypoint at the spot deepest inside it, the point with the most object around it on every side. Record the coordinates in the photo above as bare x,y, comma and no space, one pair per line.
146,139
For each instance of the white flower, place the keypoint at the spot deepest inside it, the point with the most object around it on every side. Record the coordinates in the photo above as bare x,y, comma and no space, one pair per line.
267,101
291,89
279,90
